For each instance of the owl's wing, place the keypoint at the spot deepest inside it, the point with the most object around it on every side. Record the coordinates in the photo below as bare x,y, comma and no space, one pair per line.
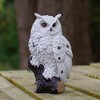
32,44
63,55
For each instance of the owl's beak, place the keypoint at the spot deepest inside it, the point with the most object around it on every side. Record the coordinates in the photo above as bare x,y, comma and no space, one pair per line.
51,29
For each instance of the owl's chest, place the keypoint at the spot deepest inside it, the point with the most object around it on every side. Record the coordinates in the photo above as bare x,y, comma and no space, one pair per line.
45,45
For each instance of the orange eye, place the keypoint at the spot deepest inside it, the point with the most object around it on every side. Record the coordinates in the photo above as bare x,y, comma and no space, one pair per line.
43,24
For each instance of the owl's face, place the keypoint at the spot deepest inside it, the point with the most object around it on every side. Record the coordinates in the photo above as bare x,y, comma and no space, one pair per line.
47,25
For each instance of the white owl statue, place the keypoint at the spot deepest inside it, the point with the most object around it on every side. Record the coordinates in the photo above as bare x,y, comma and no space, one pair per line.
51,54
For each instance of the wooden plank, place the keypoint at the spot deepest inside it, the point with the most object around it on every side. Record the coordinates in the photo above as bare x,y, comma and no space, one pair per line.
97,65
84,84
25,81
20,77
88,71
4,96
9,92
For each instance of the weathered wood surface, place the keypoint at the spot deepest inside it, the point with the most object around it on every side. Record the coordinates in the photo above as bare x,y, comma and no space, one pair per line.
84,84
97,65
88,71
9,92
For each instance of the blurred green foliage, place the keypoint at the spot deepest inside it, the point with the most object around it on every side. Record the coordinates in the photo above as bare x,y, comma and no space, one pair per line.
1,5
8,34
95,28
5,67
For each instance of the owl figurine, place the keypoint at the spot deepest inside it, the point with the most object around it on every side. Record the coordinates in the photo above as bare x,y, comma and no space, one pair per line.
51,54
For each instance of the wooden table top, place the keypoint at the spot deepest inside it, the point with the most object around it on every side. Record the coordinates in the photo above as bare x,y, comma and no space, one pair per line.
84,84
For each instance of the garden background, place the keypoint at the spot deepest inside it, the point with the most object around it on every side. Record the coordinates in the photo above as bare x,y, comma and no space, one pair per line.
80,21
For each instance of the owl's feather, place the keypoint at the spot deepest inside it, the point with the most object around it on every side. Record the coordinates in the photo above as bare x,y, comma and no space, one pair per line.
63,55
33,43
46,57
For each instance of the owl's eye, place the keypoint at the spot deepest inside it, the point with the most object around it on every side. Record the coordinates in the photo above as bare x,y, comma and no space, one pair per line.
43,24
54,25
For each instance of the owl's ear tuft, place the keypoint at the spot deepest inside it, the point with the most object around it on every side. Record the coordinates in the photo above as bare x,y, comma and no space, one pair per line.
58,16
37,15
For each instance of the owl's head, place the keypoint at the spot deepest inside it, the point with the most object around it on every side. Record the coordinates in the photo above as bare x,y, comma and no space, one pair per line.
47,25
